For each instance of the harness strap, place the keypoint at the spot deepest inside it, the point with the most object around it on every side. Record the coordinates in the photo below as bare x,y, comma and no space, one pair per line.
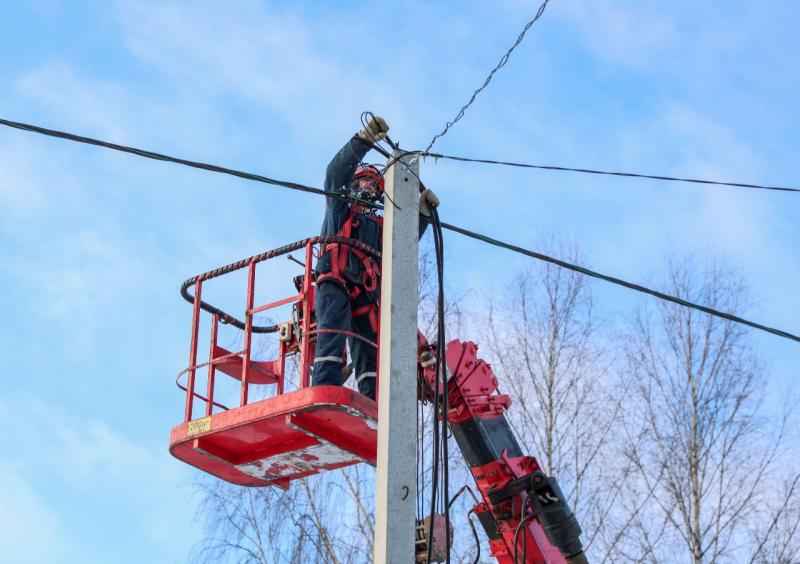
372,271
340,255
370,310
346,231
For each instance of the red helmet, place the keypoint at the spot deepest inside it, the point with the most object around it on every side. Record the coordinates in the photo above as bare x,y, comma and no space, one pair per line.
373,174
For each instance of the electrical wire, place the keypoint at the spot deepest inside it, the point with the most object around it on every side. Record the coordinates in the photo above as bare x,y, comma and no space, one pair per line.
612,279
475,534
185,162
501,64
420,443
516,537
460,230
610,173
365,117
524,540
620,282
436,454
442,370
469,517
523,520
462,489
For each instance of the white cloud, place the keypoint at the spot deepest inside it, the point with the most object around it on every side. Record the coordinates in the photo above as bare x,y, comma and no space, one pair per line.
280,60
252,52
99,106
23,182
622,34
79,280
743,227
83,452
87,458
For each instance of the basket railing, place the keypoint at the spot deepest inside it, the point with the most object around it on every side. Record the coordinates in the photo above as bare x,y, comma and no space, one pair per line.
289,343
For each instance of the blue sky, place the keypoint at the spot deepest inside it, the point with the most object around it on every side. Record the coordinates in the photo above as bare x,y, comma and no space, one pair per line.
94,244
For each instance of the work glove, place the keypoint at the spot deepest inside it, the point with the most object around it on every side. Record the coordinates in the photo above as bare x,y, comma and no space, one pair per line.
376,129
427,201
426,359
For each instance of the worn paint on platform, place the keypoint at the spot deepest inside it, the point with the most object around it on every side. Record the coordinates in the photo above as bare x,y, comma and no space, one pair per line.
371,423
312,458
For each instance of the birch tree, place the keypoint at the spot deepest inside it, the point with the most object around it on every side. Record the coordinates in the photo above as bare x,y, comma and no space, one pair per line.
704,447
552,358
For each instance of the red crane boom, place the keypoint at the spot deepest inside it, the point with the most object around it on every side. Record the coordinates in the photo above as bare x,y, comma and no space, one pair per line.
297,433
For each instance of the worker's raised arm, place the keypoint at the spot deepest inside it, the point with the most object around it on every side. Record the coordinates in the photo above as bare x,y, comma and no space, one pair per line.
340,170
343,165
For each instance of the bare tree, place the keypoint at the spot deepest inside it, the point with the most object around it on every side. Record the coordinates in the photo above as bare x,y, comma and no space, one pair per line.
703,448
673,453
777,539
236,533
545,342
541,338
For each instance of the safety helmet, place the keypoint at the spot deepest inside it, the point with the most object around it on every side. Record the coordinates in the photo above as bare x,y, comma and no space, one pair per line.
376,180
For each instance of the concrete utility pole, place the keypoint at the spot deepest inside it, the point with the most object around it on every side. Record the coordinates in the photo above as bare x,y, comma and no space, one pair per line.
395,482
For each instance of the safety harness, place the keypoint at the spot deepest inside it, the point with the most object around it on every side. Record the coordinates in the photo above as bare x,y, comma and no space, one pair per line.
369,285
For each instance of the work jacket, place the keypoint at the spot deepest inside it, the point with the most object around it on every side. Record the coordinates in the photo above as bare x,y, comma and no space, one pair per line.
338,178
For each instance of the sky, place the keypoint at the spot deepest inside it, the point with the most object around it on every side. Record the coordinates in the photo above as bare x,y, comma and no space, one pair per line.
94,244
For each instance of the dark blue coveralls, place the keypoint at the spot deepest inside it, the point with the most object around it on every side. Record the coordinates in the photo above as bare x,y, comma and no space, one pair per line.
334,308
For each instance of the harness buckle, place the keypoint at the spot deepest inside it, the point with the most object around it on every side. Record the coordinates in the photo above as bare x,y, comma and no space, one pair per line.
371,274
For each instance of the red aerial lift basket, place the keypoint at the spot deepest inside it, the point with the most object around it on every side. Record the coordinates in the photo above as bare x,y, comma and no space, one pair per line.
292,434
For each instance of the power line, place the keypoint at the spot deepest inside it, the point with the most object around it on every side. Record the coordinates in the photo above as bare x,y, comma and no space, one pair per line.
609,173
166,158
503,61
461,230
607,278
619,282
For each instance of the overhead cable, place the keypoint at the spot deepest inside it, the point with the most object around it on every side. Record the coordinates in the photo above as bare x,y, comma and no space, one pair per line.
176,160
620,282
609,173
503,61
462,231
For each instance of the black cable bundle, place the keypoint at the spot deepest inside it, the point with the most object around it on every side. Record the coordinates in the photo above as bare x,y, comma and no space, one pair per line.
440,402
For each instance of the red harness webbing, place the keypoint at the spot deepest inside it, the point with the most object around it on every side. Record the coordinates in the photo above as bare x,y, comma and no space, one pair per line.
340,254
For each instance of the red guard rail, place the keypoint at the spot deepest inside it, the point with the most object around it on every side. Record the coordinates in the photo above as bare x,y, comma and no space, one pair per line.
239,365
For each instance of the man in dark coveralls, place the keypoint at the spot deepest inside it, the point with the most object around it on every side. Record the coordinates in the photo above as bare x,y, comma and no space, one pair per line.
348,281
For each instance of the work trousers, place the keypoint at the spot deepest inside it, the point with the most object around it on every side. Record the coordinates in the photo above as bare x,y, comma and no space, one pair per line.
335,311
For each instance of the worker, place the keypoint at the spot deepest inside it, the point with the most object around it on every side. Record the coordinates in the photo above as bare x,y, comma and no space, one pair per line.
348,280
